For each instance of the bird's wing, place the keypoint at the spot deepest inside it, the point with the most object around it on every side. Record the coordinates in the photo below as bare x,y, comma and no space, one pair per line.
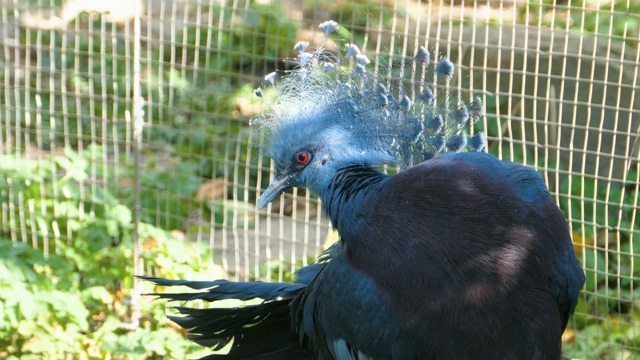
307,274
566,281
341,315
566,277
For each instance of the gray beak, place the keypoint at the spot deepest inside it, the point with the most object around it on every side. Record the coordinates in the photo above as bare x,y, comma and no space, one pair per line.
277,187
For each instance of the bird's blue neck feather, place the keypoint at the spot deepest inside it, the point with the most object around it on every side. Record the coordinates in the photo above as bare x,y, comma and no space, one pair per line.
348,191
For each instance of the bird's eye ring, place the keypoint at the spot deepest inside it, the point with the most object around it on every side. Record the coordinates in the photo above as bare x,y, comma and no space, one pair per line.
302,158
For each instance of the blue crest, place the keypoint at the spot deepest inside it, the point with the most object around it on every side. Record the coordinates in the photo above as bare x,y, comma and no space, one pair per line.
404,110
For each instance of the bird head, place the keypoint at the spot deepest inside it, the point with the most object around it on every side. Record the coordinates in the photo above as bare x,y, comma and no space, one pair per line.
307,155
330,112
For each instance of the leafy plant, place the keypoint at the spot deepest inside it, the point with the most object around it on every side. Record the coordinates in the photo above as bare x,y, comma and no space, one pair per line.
617,19
595,207
67,290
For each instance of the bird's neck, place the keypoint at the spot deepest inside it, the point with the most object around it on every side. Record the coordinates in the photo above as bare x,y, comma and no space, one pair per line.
348,191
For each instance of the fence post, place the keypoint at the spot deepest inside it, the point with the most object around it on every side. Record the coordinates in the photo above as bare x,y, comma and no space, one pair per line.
138,124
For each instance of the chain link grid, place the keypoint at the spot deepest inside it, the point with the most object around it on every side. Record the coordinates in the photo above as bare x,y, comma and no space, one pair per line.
559,81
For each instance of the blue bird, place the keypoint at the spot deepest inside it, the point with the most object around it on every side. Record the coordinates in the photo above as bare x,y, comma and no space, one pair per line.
457,256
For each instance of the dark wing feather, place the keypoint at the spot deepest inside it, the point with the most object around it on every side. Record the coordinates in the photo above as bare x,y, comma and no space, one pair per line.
341,315
223,289
566,275
260,331
565,282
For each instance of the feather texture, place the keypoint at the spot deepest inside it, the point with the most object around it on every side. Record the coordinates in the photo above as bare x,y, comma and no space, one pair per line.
384,111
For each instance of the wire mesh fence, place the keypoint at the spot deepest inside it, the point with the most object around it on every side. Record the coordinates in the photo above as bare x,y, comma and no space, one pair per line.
560,82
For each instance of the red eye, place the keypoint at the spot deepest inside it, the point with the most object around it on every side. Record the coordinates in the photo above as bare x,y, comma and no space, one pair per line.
302,158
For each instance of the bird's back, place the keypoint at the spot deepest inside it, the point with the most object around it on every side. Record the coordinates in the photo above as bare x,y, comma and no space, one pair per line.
464,256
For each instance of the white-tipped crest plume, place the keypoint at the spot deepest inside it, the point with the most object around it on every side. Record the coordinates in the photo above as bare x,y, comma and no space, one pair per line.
403,109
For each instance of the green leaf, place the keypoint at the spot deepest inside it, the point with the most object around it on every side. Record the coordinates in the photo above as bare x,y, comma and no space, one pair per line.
26,328
30,306
97,293
595,266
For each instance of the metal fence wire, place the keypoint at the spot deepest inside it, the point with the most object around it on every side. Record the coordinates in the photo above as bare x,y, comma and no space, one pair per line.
146,103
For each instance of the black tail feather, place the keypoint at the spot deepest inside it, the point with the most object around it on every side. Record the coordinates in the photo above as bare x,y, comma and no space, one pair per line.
225,322
224,290
259,331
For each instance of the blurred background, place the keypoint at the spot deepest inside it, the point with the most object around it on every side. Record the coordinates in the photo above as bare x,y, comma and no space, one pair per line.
125,148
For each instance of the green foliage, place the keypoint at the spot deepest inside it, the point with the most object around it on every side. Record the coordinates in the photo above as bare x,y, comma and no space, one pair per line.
594,207
616,19
206,67
358,14
612,337
66,207
168,194
69,292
